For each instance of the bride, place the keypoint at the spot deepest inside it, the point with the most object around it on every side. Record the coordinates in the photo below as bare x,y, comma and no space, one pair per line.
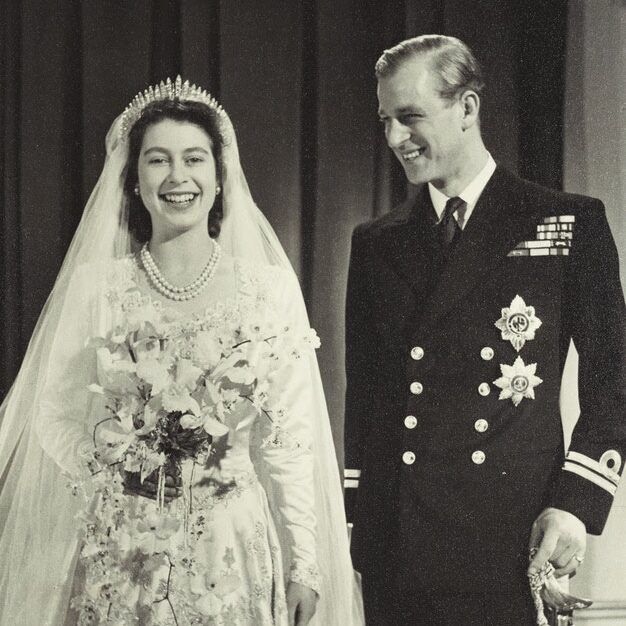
165,450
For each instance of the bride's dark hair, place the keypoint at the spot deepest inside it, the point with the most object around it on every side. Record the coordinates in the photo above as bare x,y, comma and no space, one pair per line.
196,113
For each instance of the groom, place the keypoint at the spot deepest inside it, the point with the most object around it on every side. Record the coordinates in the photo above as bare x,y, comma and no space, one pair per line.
460,309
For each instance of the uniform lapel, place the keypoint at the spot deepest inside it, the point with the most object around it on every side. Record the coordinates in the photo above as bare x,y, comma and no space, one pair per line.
409,243
497,223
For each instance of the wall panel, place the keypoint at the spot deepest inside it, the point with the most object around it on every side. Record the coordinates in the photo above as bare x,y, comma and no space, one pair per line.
11,300
595,165
261,84
499,57
200,41
116,65
347,126
50,145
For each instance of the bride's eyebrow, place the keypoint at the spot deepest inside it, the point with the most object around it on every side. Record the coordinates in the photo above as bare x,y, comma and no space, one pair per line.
197,149
155,149
159,149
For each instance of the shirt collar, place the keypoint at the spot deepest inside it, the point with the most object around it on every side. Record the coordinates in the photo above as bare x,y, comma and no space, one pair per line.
470,194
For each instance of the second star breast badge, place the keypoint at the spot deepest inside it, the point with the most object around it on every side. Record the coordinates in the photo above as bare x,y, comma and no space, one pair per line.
518,381
518,323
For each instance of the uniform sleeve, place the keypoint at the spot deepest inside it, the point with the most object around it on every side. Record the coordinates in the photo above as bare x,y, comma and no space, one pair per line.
596,321
287,448
359,367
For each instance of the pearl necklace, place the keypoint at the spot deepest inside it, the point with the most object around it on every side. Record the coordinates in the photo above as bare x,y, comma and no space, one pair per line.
188,292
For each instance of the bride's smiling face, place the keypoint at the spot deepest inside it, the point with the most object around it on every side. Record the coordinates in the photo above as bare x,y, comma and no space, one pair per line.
177,176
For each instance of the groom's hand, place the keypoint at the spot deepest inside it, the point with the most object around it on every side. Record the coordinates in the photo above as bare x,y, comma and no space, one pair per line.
301,602
560,538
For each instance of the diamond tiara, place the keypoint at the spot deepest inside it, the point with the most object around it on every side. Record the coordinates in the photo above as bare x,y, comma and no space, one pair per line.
166,90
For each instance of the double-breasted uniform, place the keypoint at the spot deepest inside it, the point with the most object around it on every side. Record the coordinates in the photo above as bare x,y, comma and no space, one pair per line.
452,425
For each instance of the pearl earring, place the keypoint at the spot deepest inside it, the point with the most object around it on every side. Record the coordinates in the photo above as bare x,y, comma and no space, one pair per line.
218,190
137,189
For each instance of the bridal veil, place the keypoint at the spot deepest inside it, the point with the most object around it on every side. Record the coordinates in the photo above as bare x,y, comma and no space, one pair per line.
38,527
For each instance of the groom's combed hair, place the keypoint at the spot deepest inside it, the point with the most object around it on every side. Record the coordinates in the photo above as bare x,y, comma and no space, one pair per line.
450,60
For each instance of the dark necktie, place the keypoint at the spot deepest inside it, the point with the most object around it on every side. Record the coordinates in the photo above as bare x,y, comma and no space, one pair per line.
450,227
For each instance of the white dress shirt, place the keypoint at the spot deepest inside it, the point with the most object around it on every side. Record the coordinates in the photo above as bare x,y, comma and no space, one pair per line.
470,194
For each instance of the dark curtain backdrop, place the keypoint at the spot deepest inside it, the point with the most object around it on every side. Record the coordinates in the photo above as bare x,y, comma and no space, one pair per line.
297,79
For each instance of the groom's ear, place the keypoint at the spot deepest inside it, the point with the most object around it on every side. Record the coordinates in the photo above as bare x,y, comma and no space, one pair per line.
470,106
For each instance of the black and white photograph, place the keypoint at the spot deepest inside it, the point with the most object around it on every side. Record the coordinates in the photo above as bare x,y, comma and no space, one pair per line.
312,312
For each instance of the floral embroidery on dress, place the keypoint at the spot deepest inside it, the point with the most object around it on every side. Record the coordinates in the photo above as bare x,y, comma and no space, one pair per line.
308,575
223,491
280,438
221,562
120,277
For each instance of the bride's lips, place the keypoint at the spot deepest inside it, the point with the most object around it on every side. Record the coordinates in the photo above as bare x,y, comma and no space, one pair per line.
180,199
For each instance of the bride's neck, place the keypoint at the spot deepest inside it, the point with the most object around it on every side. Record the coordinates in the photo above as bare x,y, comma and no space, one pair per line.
181,253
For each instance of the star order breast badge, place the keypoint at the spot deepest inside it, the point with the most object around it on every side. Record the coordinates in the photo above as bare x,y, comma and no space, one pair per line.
518,323
518,381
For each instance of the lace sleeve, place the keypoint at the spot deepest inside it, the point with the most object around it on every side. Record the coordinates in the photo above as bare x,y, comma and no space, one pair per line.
287,451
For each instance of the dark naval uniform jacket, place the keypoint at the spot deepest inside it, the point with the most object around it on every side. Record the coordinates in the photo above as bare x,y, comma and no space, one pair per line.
452,425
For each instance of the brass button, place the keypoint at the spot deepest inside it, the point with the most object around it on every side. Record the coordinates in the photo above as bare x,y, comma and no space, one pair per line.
417,353
408,457
487,353
484,389
410,421
478,457
416,388
481,425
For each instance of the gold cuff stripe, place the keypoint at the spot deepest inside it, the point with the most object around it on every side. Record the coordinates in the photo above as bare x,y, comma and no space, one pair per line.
352,473
591,464
606,484
351,483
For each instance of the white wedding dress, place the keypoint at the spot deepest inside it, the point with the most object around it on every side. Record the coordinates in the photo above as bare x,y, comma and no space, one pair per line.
240,566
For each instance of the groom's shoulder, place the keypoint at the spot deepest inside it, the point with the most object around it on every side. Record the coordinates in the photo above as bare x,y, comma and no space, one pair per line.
397,216
540,196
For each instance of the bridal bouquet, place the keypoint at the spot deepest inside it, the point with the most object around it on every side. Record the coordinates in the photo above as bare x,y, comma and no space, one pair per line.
170,389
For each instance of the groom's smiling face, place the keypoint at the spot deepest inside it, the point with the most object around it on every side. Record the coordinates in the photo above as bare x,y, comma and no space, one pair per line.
424,130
